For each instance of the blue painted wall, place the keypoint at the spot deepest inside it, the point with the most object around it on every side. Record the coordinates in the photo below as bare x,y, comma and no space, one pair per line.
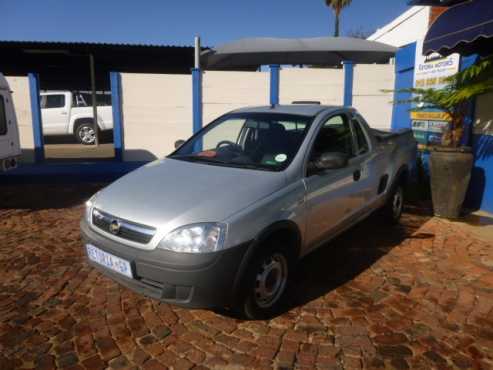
404,76
480,193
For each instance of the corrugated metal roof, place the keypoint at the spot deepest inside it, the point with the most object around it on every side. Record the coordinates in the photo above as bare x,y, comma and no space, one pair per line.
62,63
88,44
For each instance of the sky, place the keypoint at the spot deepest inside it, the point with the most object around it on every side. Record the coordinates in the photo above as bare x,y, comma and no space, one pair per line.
177,22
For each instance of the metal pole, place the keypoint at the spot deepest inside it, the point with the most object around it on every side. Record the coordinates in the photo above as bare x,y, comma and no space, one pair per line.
348,82
197,52
94,105
197,104
274,84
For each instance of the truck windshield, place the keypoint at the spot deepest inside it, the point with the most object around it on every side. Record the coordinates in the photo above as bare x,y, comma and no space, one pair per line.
264,141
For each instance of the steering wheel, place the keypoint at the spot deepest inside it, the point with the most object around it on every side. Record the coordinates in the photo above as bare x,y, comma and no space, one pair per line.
232,146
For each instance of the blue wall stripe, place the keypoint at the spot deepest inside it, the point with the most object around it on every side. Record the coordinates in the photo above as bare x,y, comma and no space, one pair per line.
480,194
348,83
274,84
39,153
197,99
116,101
404,78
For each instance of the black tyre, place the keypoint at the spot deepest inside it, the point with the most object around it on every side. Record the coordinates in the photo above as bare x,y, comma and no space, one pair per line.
85,134
392,211
265,284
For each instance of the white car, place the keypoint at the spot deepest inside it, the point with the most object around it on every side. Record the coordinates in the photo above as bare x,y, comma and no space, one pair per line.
10,149
67,113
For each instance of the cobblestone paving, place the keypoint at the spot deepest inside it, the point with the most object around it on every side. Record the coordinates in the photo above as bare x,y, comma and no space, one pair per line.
415,296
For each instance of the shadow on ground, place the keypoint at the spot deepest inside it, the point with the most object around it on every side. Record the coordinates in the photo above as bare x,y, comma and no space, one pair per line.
37,197
347,256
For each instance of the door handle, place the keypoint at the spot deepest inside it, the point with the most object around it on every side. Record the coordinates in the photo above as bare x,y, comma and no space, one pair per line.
356,175
64,113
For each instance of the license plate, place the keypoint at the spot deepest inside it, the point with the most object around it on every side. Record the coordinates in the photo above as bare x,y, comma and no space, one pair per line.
109,261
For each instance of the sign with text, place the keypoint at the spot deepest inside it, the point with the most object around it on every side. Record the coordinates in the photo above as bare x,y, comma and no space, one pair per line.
431,72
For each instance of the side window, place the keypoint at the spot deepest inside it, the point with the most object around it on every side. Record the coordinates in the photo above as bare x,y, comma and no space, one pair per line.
52,101
334,136
3,117
361,139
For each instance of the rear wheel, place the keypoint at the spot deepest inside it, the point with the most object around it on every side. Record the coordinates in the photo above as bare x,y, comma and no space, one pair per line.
265,284
85,133
392,210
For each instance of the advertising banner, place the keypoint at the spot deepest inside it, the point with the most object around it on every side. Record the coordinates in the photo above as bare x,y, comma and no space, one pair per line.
430,72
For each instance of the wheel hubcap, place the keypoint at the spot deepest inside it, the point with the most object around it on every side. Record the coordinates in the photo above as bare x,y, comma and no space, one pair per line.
271,280
397,202
87,135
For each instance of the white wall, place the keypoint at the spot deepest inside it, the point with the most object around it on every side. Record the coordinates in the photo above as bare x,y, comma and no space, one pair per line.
157,109
156,113
410,26
22,105
225,91
324,85
369,99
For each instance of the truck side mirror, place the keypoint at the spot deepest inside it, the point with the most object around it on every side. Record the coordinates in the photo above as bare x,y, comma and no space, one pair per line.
179,143
331,161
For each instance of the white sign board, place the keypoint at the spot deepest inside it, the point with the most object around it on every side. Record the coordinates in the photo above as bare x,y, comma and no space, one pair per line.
430,72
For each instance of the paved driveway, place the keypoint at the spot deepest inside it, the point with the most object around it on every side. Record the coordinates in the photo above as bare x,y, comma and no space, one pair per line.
415,296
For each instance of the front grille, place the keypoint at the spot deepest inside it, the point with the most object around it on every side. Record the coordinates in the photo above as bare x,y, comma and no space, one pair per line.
125,229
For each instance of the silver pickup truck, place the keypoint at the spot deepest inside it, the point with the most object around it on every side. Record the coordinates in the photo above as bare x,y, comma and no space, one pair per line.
222,221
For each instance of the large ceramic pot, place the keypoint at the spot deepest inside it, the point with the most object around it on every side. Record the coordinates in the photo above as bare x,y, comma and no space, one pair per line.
450,172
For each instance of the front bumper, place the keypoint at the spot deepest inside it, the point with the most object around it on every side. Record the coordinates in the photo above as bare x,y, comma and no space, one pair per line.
191,280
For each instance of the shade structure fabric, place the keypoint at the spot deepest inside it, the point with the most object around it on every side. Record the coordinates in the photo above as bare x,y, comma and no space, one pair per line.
254,52
466,28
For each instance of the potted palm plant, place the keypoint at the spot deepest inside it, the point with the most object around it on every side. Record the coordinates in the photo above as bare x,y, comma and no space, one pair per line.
451,162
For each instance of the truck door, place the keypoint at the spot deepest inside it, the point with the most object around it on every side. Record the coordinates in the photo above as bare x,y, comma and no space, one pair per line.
369,162
333,196
55,113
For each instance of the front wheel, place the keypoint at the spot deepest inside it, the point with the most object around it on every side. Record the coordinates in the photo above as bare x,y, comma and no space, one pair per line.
392,210
265,284
85,133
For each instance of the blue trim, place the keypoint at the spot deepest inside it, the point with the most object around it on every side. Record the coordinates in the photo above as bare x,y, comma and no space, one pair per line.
479,195
348,82
274,84
197,105
68,172
39,153
116,101
404,79
197,99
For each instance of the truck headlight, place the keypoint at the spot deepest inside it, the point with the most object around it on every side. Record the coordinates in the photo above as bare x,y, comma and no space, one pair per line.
195,238
89,206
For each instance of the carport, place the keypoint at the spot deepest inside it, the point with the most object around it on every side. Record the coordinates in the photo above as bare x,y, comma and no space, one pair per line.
251,54
85,66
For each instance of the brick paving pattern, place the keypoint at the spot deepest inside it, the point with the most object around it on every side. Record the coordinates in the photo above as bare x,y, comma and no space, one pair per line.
416,296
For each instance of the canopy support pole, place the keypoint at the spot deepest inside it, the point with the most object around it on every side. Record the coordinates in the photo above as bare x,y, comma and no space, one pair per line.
116,103
274,84
348,82
39,152
94,103
197,89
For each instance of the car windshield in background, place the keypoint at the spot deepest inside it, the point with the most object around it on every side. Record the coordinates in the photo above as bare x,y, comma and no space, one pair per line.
266,141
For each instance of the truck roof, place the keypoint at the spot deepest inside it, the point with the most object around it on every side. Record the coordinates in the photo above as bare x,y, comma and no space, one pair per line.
309,110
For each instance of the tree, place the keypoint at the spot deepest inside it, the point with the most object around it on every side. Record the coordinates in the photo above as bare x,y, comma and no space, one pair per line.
359,33
455,97
337,6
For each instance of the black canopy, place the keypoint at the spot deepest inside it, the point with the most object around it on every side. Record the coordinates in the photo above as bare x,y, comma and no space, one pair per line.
255,52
